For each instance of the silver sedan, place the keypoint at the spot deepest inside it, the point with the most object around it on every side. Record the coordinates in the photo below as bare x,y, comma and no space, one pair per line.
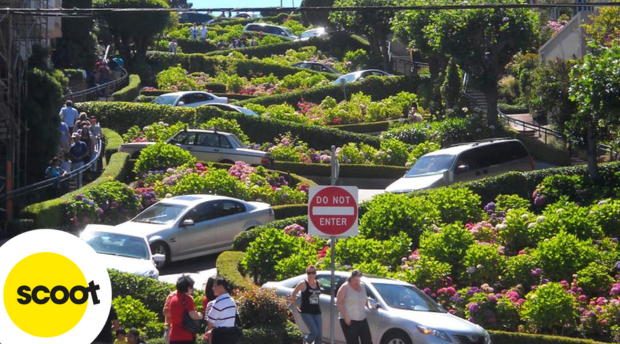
404,314
189,226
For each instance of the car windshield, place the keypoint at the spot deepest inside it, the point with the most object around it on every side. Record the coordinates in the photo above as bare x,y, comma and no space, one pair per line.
236,140
117,244
160,213
346,77
288,32
165,100
430,164
247,111
406,297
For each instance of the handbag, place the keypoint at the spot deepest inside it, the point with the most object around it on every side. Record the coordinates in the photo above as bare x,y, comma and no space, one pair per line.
190,324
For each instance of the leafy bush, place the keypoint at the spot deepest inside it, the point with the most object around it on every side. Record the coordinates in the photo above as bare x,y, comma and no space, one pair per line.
155,132
506,202
567,217
413,134
484,264
594,279
458,204
243,239
563,255
150,292
492,311
161,156
448,245
552,188
607,215
132,313
116,202
129,92
519,271
227,125
513,231
549,307
360,250
261,307
358,59
424,272
389,214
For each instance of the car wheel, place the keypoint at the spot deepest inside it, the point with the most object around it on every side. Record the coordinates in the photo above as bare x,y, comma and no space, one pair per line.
396,337
161,248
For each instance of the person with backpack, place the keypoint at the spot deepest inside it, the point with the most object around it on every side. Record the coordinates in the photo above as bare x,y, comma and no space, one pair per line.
222,318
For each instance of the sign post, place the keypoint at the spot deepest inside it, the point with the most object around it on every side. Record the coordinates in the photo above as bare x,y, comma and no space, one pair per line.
332,213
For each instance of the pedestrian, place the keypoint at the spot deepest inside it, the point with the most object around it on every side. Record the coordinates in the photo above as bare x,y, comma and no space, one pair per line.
167,318
352,300
203,32
180,303
133,337
65,136
69,114
96,135
222,315
310,309
193,32
79,154
54,169
121,336
172,46
111,325
78,122
209,295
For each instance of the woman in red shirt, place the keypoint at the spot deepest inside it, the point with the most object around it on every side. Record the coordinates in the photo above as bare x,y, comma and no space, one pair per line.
178,304
209,296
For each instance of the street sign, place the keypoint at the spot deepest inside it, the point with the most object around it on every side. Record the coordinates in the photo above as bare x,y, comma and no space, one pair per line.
332,211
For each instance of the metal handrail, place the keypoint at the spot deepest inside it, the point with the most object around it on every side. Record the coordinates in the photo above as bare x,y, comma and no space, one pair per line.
17,193
94,90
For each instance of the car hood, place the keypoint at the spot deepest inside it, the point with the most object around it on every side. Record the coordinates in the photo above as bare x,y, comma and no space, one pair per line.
135,266
146,229
445,322
415,183
138,144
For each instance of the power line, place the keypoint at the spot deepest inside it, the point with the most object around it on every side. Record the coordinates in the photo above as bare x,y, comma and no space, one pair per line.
461,6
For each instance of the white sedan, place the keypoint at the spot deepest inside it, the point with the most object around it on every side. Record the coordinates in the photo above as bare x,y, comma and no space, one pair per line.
360,75
125,252
189,99
189,226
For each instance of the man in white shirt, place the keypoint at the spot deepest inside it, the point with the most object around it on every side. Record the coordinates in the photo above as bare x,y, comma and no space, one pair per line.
221,317
203,32
69,115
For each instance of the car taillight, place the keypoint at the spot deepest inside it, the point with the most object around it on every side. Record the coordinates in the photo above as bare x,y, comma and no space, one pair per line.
271,213
533,166
266,161
227,100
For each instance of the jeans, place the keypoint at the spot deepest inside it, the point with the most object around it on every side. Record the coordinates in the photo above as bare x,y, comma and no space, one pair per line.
357,332
75,166
314,323
167,334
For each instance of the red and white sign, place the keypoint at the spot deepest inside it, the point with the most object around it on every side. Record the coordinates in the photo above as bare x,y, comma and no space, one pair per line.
332,211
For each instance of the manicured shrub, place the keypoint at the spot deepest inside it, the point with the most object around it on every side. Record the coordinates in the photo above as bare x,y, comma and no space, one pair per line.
549,308
563,255
161,156
484,264
129,92
117,201
133,314
228,266
243,239
261,307
513,231
448,245
521,270
456,204
506,202
150,292
595,279
423,272
389,214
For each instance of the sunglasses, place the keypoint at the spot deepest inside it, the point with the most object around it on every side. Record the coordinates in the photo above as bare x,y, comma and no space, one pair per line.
311,272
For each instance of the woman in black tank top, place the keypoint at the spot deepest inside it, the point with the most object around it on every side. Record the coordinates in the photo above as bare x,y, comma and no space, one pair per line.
310,309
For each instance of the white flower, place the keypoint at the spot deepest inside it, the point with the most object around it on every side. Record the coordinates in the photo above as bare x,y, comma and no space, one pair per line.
525,216
501,226
602,202
559,211
531,225
492,127
540,219
168,195
465,109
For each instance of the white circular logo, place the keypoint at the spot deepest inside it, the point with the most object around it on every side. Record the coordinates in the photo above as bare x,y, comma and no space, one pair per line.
54,289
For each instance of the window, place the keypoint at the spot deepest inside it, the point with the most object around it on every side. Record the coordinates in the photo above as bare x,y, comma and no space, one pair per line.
227,208
224,142
201,212
201,97
187,99
183,138
325,281
494,154
211,140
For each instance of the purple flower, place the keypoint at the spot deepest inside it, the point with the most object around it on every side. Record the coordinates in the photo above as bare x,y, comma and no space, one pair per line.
99,211
471,270
536,272
473,308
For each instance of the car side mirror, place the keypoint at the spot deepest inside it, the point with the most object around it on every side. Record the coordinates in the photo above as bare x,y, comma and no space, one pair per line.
181,103
187,223
373,303
159,258
462,168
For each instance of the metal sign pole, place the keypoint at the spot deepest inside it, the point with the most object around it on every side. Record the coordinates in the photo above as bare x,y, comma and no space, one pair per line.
334,177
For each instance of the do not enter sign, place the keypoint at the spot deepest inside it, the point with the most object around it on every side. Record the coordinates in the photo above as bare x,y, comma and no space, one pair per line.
332,211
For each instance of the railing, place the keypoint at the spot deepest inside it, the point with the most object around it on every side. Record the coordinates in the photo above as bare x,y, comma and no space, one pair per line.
94,93
405,65
41,191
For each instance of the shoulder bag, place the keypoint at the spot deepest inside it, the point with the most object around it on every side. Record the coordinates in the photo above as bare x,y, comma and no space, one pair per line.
189,324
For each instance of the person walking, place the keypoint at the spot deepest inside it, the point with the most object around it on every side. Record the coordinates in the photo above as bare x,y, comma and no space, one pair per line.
180,303
167,318
310,309
65,136
111,325
79,154
193,32
203,32
69,115
352,300
222,315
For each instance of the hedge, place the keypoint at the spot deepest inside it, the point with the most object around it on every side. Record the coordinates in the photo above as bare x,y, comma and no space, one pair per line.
227,265
243,239
150,292
374,127
289,210
346,170
114,140
129,92
526,338
376,87
155,93
51,214
73,74
278,19
293,179
510,109
189,46
120,116
261,51
242,67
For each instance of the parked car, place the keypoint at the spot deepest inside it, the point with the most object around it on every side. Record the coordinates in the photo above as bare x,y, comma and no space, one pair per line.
360,75
125,252
465,162
246,15
269,29
403,314
189,226
230,107
208,145
317,66
188,98
319,32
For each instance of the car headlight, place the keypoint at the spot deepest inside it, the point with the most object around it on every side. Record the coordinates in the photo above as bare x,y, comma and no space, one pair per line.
151,273
435,333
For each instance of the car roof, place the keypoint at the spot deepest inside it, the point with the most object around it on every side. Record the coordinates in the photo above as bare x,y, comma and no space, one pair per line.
181,93
113,230
459,148
266,24
196,199
368,278
205,131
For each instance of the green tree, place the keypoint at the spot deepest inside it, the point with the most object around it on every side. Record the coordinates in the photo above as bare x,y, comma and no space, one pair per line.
482,41
134,31
596,90
605,27
374,24
315,18
548,95
76,47
451,89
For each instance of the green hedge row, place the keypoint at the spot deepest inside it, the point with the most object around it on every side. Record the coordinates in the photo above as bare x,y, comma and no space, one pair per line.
364,127
510,109
120,116
526,338
243,239
293,179
51,214
155,93
114,140
129,92
346,170
189,46
261,51
375,86
73,74
201,63
227,265
290,210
